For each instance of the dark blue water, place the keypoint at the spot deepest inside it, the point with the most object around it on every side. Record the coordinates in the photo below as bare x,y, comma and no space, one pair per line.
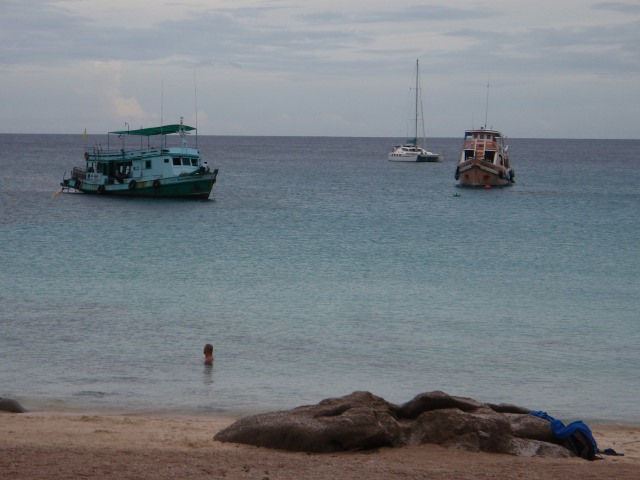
319,268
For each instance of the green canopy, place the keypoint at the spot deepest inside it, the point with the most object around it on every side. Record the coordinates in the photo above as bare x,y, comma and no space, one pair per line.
147,132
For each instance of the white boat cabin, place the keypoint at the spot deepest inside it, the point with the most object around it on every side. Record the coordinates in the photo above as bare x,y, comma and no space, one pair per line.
106,167
150,163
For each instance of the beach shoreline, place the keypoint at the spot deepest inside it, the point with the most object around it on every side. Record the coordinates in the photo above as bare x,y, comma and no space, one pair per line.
108,445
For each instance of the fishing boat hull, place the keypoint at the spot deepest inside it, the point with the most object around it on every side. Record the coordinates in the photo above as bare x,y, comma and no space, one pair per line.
478,173
192,186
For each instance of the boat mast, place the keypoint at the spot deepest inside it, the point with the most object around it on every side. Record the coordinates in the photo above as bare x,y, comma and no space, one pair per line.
417,93
195,101
163,138
486,107
183,135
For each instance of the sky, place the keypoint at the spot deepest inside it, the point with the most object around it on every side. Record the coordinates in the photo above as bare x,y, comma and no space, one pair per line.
555,68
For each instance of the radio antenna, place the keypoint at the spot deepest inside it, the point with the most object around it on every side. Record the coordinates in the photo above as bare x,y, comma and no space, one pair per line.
486,108
195,101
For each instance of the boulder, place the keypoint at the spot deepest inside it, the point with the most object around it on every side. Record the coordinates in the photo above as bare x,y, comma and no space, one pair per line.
362,420
11,406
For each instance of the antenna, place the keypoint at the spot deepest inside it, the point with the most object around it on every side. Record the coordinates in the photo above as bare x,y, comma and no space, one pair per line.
195,100
486,108
161,107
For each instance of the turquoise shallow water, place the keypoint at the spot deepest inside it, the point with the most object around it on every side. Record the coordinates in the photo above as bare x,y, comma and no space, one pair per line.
320,268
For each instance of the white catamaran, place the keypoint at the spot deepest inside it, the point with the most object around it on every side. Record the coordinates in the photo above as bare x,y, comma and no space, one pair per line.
411,150
154,171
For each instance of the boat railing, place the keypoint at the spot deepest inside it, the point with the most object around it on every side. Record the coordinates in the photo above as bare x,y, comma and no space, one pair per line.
473,144
79,173
101,154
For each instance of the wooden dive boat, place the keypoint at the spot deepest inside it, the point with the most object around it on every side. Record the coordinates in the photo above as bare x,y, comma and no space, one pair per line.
484,160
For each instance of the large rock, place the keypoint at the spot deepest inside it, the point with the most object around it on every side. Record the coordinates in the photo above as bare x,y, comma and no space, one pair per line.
364,421
11,406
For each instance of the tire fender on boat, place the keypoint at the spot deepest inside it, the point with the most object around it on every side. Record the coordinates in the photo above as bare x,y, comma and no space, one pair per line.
77,185
156,183
501,174
457,175
132,184
100,189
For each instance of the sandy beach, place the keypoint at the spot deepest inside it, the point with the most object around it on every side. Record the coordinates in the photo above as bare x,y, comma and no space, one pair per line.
57,445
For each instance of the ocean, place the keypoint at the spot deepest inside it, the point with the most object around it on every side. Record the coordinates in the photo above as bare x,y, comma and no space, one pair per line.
319,268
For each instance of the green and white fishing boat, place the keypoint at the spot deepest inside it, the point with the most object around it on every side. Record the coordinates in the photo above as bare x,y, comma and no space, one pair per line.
154,171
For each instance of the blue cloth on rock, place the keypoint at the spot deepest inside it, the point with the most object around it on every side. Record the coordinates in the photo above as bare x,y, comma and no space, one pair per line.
566,432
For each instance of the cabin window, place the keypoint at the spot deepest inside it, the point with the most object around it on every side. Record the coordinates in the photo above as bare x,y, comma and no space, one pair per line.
166,160
185,161
176,161
194,162
147,164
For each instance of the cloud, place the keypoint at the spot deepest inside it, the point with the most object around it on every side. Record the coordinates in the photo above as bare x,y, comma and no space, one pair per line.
404,16
105,84
315,60
620,7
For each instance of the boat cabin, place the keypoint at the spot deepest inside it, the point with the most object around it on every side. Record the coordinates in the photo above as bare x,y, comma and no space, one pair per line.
110,166
487,145
107,167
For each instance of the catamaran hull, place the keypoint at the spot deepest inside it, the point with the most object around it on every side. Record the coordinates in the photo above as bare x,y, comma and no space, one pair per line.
477,173
416,158
198,187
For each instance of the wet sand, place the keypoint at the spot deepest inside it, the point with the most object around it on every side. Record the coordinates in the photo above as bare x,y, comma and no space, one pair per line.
87,446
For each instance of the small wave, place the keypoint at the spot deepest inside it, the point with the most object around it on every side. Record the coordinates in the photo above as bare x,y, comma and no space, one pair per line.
91,393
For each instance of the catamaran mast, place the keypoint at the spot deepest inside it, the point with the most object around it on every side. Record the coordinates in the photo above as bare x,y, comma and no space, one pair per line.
417,93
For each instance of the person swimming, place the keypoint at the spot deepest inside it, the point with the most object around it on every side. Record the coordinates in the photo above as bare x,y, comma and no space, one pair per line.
208,354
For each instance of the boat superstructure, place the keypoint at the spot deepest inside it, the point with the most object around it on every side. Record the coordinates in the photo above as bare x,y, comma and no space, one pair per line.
151,171
484,159
411,150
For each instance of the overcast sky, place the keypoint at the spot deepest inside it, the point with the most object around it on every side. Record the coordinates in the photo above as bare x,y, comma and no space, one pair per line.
561,68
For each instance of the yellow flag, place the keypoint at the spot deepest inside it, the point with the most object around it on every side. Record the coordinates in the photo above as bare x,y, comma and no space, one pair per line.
85,133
